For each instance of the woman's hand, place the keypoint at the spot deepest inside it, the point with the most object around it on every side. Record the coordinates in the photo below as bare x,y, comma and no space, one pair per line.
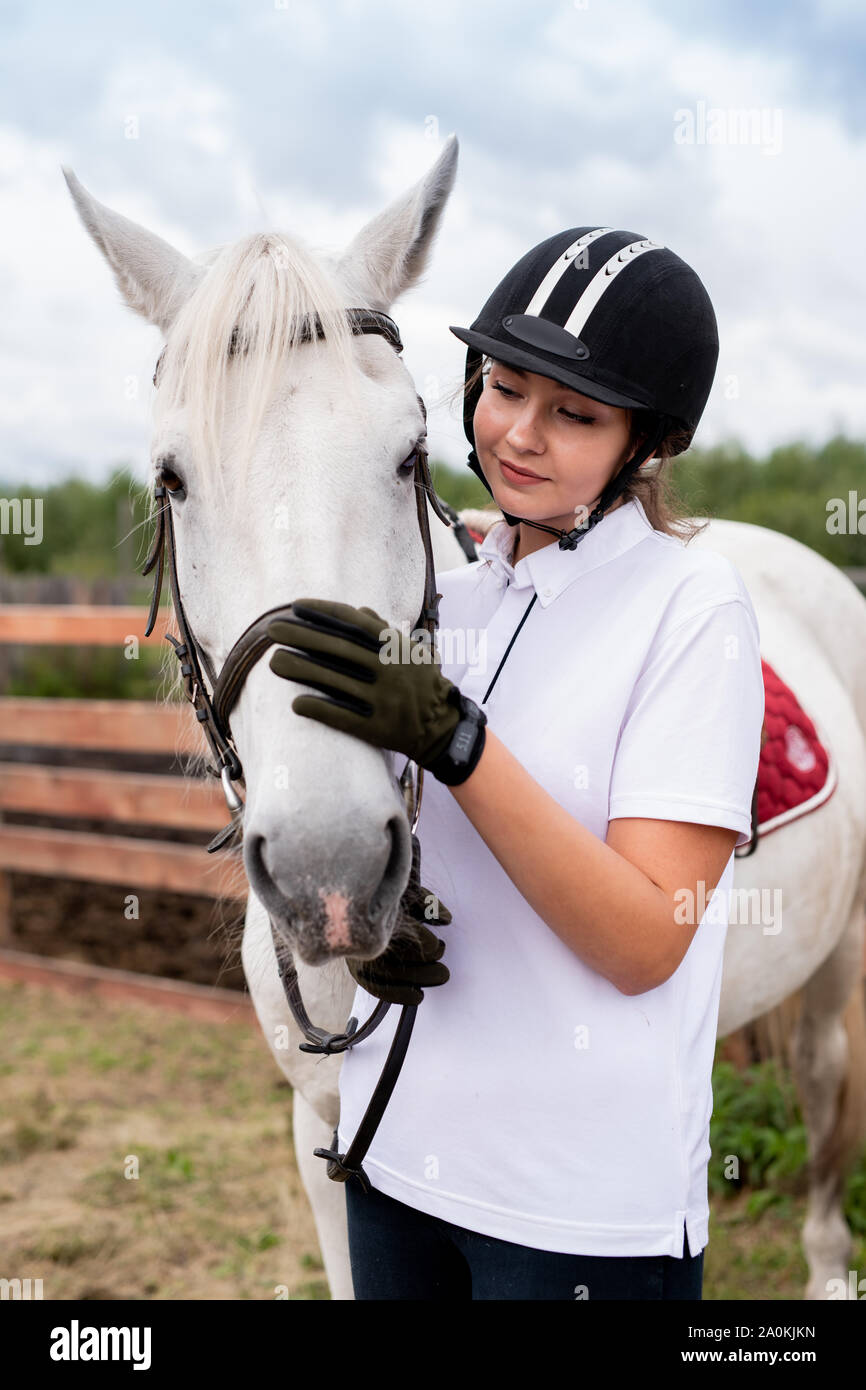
379,687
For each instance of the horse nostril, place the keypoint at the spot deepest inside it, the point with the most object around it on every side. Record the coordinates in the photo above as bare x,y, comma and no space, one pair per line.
259,873
397,868
253,850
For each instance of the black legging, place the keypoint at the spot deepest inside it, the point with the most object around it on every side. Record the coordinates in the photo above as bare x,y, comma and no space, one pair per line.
399,1252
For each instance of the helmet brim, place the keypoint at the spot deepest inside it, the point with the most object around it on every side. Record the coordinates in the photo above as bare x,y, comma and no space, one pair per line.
519,357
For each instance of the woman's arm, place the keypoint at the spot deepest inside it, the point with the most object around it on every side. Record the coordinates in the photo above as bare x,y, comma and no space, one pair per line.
611,902
615,903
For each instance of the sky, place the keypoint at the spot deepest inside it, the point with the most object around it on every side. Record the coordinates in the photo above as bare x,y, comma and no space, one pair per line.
207,121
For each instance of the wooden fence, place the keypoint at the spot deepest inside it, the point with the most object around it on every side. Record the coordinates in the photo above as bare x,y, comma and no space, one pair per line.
94,794
88,794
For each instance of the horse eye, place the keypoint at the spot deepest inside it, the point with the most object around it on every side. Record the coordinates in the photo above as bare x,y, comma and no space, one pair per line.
409,463
172,482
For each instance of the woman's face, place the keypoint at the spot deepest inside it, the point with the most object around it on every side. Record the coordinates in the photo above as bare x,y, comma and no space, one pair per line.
574,443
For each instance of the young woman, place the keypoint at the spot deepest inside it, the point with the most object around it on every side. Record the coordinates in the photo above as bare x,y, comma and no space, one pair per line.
548,1136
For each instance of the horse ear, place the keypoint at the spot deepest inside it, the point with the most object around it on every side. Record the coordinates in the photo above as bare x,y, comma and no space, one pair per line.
154,279
390,253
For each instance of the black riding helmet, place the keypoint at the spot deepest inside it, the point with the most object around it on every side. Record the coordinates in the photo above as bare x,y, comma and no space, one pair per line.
615,316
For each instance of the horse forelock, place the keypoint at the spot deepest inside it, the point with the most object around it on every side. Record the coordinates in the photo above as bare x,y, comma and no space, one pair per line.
246,315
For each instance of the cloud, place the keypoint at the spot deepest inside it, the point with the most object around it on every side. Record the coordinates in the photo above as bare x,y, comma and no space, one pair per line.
312,118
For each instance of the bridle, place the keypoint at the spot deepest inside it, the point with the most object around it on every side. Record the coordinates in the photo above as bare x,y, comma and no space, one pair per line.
214,710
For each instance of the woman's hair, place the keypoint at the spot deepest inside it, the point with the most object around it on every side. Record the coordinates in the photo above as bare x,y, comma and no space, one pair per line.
652,485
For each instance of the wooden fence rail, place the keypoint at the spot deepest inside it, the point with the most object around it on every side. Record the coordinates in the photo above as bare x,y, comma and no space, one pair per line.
78,624
95,794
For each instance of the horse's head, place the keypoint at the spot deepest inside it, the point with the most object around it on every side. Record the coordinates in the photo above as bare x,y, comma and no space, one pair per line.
288,463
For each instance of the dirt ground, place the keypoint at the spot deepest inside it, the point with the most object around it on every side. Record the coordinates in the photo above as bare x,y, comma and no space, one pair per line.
176,935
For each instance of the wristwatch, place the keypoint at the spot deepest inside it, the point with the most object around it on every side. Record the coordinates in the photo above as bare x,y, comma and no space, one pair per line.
467,743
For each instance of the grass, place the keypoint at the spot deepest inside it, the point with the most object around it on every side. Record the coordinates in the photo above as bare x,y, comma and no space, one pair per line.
757,1182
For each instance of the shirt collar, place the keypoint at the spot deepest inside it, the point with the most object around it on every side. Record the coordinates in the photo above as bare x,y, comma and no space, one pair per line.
550,570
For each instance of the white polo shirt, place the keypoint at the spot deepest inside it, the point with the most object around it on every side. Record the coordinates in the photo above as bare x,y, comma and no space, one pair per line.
537,1103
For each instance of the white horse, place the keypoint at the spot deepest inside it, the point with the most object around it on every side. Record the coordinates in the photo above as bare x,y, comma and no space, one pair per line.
301,494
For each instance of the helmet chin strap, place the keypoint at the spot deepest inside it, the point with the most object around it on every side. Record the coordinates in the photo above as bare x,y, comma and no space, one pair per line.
568,540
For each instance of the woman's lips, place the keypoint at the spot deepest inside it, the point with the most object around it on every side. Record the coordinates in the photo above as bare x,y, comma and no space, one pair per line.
514,475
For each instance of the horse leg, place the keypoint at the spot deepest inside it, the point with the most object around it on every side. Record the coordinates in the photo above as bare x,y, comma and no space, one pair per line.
828,1058
327,991
327,1198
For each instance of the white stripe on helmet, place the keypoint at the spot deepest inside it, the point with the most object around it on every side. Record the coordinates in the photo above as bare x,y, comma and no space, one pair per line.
602,279
560,266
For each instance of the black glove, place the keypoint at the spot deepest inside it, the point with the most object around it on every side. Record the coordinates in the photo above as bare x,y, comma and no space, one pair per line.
410,964
407,706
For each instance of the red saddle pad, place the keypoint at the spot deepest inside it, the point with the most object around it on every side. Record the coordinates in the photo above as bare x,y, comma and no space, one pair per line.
796,773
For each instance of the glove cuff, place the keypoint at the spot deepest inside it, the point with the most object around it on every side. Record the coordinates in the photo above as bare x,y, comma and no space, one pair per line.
460,758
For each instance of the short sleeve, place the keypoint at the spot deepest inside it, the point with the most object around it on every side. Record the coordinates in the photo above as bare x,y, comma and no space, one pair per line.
690,740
